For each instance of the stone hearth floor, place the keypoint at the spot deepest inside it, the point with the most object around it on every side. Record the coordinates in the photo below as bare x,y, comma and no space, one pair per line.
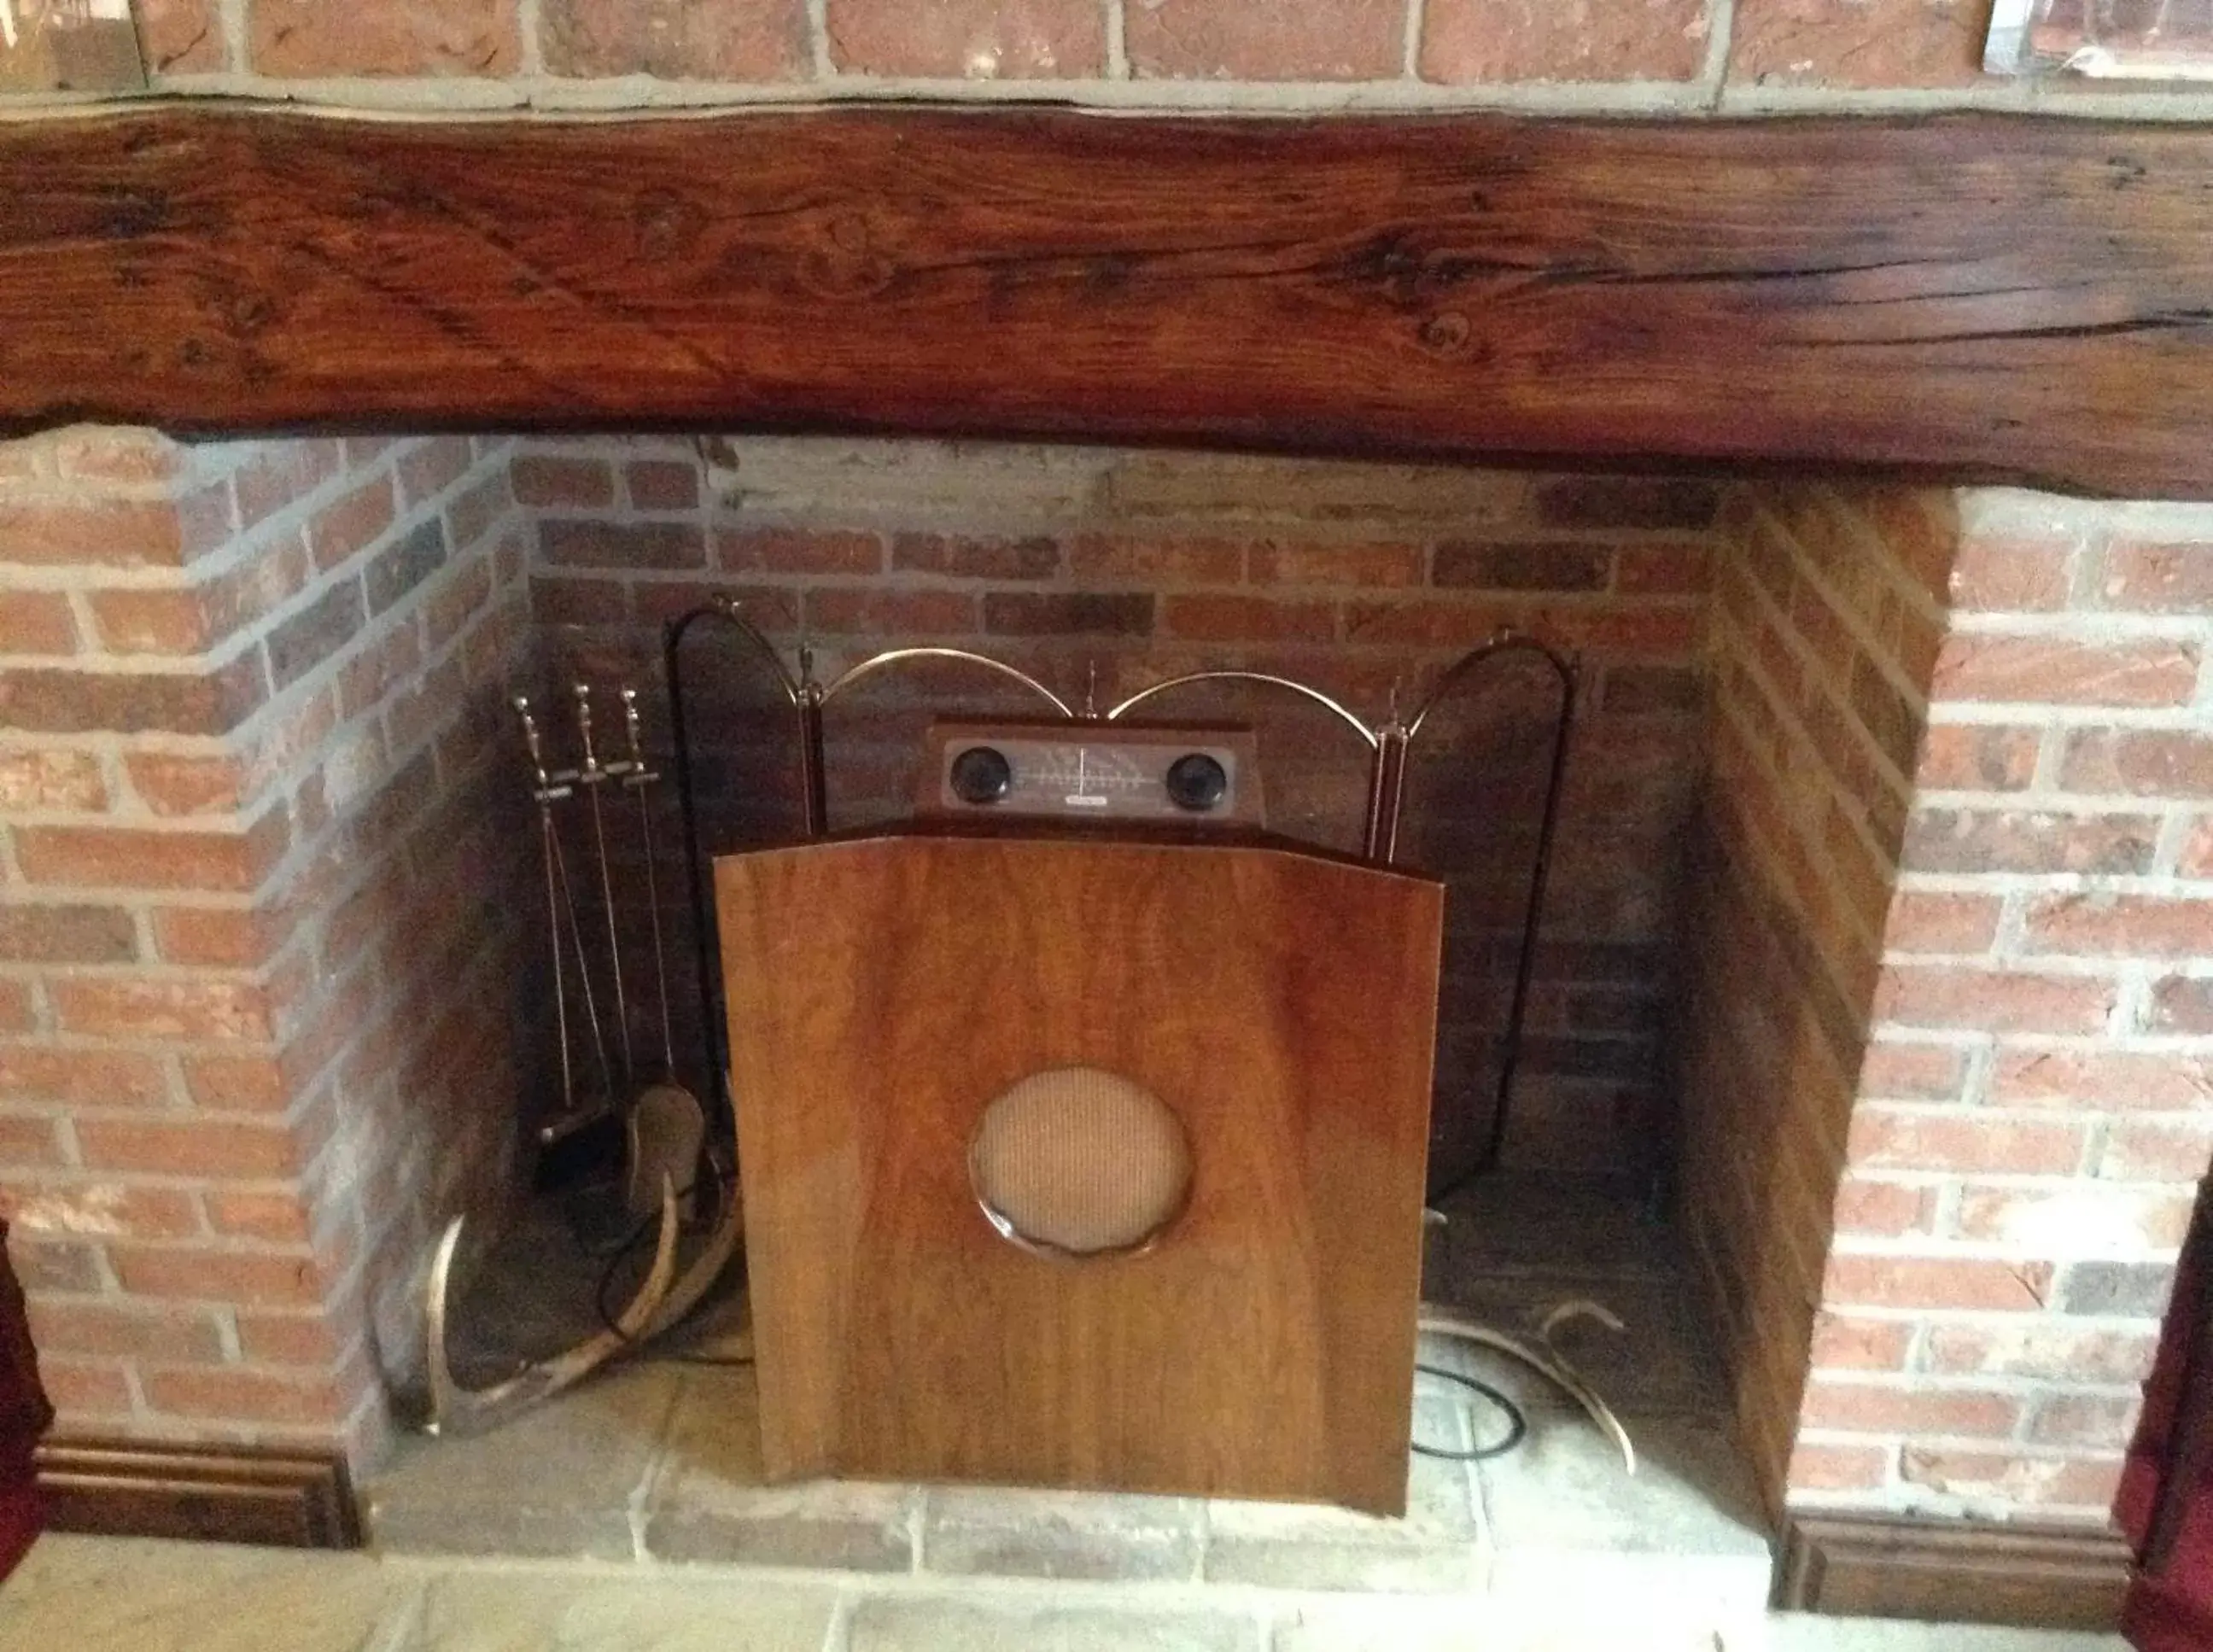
658,1462
106,1594
631,1516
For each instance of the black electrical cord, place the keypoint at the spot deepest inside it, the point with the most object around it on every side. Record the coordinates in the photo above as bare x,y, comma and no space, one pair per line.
621,1253
1517,1425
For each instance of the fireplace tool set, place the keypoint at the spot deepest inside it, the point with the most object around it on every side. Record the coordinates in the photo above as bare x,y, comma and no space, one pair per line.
664,1124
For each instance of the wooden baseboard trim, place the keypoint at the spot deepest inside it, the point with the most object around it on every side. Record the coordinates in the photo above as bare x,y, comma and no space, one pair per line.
1953,1571
226,1493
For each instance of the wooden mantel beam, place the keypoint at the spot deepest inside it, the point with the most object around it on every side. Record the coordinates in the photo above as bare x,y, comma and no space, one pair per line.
1969,296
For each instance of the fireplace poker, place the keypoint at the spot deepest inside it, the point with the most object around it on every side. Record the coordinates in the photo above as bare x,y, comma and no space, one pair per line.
667,1127
592,774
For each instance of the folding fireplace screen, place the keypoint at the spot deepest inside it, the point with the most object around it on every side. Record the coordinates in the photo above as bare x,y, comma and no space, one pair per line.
1079,1162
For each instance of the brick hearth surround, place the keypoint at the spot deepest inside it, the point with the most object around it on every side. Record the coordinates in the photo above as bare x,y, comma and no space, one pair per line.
1824,627
254,913
1945,761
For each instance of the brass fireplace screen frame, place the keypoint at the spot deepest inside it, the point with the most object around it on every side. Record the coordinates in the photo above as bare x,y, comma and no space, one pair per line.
804,698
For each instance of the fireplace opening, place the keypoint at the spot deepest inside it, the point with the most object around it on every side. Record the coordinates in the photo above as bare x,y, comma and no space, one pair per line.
1102,574
1825,989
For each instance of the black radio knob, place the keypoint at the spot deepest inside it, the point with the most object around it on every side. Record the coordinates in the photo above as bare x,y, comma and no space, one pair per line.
982,775
1197,782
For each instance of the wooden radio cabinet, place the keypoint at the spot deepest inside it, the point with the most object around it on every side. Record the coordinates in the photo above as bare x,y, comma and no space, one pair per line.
1201,1068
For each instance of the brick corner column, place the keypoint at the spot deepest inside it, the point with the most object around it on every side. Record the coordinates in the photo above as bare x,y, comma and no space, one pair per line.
2035,1107
208,655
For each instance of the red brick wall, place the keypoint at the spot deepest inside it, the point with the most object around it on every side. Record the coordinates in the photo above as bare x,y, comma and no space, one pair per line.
1826,626
241,694
1620,55
1136,567
1945,1082
2037,1105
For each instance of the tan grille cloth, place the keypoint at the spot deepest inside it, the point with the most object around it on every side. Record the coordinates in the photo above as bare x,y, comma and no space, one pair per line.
1079,1160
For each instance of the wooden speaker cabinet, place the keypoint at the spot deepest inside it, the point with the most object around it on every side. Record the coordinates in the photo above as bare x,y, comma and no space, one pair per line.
1083,1162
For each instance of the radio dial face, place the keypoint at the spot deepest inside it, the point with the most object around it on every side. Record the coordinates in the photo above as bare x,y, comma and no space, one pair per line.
1090,776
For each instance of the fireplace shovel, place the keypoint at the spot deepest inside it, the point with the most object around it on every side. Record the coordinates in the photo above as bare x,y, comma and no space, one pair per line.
667,1127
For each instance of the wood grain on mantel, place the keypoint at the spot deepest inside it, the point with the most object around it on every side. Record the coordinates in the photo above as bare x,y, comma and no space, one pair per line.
1970,297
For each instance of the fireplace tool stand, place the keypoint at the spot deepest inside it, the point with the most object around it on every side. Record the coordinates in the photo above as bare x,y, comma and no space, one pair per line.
663,1120
547,789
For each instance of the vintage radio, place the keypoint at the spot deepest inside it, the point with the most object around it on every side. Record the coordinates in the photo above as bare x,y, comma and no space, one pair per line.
1100,774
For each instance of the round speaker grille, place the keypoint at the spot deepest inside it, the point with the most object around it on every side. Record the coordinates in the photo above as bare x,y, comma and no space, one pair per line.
1079,1162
